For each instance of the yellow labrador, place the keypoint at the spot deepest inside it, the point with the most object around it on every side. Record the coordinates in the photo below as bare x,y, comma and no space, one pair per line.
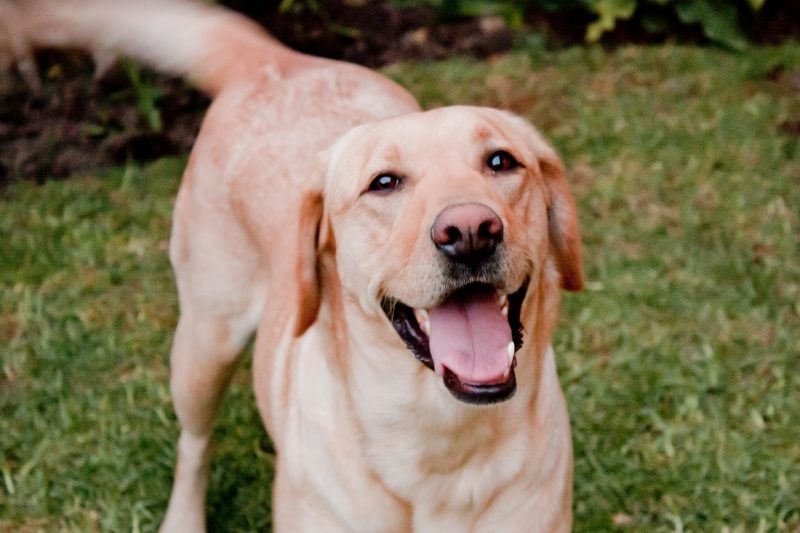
401,269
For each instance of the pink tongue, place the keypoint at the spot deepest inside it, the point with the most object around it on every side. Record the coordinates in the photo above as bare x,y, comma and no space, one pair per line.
470,336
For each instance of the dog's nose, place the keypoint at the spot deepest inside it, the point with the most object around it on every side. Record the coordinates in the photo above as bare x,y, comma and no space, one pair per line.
467,233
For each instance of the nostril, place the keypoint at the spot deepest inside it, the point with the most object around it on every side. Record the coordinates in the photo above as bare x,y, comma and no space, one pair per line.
452,235
491,230
467,233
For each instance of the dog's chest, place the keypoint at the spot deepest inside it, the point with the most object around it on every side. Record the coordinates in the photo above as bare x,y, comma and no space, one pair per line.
455,469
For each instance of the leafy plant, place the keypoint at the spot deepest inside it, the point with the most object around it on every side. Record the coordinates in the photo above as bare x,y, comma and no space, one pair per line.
146,96
720,20
608,12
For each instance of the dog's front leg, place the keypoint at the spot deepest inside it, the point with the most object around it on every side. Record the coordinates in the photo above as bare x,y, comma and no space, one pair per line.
221,300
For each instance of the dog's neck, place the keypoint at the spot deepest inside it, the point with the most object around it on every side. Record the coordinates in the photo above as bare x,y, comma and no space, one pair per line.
402,407
413,436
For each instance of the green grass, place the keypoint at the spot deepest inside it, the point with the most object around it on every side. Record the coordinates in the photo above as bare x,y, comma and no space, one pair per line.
681,362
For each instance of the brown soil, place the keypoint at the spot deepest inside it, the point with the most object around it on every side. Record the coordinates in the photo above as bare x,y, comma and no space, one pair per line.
79,122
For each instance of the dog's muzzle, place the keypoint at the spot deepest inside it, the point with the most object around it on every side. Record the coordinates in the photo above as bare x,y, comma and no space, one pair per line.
470,339
471,336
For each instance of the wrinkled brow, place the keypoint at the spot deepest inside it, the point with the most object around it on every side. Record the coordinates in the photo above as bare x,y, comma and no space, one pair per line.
482,134
390,156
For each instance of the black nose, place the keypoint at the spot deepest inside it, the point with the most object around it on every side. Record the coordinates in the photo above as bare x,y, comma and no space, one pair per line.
467,233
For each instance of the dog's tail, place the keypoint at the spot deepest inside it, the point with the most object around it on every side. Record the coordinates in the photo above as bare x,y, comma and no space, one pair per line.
209,45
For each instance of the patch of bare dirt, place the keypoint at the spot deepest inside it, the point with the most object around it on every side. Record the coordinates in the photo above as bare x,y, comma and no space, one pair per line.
79,122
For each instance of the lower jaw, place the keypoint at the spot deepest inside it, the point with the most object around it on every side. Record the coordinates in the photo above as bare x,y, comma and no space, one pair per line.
480,394
471,393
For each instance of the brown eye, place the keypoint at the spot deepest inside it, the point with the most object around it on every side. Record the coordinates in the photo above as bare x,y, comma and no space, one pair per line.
385,183
502,161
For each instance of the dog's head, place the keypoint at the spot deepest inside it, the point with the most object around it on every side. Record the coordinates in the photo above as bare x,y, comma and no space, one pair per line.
440,221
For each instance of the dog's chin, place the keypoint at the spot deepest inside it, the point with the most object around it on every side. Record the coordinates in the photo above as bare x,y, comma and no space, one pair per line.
470,339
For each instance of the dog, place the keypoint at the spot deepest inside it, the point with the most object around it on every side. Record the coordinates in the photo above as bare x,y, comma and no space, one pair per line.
401,269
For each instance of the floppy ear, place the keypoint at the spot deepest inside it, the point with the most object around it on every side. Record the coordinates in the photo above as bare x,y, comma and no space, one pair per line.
562,223
308,297
313,239
562,216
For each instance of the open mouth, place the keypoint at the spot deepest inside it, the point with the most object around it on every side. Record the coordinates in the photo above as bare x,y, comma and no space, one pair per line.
470,339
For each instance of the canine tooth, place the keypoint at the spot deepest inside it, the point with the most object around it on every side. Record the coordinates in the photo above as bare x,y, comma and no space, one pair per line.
423,319
502,301
510,350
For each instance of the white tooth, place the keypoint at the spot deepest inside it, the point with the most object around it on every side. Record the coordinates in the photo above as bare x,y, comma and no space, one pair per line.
510,351
504,311
423,319
426,327
502,301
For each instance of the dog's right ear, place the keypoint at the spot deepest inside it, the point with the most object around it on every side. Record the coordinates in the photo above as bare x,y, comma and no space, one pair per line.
293,273
314,248
308,287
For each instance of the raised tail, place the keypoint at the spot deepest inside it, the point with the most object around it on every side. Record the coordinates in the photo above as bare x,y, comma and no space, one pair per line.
209,45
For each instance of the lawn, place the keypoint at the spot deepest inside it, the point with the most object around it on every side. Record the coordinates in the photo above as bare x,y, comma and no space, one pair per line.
680,362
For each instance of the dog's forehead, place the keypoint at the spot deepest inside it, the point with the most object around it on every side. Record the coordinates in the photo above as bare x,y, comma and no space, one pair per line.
425,138
456,126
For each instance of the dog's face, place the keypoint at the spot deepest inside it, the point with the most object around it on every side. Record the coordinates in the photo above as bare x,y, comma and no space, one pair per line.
440,220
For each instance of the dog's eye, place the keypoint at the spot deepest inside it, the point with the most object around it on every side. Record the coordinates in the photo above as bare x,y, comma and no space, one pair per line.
384,183
502,161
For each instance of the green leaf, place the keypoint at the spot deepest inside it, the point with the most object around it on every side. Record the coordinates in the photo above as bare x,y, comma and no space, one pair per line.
554,6
608,12
654,22
718,18
146,96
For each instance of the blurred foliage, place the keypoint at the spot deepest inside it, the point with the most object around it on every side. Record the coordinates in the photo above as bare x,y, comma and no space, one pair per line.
720,20
147,95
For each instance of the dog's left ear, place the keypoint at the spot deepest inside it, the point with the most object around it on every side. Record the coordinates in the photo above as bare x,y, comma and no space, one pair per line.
562,215
562,222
